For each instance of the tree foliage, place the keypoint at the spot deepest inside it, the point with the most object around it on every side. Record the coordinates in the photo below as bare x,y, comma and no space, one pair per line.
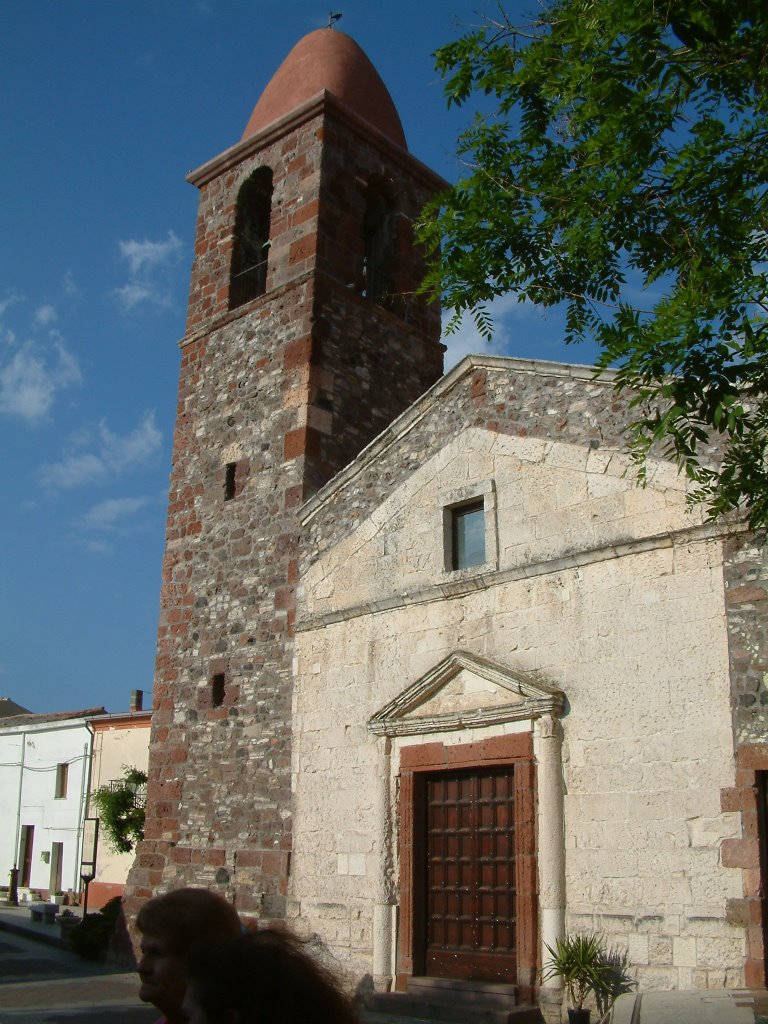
121,812
623,173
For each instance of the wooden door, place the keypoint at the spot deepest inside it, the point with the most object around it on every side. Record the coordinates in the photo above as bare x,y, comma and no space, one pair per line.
57,858
25,853
469,853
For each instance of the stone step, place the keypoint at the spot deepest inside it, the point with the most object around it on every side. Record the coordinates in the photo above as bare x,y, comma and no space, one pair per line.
493,993
444,1004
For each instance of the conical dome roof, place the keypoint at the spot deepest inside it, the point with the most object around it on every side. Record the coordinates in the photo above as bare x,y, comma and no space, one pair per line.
331,61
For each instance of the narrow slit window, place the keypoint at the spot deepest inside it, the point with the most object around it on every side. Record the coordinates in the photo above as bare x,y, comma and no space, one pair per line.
230,481
468,535
217,689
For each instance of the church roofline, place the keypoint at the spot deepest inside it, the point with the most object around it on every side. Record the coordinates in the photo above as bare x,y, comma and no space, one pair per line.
317,104
422,406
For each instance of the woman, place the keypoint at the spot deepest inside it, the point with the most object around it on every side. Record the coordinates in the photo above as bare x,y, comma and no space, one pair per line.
266,977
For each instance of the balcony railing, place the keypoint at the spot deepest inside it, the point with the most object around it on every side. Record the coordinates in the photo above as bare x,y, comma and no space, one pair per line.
139,790
248,284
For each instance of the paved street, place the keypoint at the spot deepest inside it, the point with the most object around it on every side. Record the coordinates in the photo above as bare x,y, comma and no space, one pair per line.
41,984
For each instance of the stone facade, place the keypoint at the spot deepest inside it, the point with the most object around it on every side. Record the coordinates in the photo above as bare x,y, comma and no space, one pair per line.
593,587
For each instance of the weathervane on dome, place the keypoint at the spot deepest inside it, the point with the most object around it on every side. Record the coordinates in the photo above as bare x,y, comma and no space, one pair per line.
333,17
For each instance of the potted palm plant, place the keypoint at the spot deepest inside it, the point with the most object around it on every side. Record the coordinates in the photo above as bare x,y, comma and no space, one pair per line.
582,964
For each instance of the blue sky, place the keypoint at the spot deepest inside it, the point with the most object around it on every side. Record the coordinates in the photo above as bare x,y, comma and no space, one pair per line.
105,107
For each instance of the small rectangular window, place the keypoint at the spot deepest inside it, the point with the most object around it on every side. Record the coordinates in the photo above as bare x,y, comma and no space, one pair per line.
468,535
62,776
230,481
218,684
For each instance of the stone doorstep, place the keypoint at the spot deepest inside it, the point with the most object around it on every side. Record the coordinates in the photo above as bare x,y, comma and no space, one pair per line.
494,995
442,999
399,1006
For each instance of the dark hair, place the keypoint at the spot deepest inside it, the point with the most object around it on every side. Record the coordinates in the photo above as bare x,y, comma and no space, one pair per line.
267,975
187,918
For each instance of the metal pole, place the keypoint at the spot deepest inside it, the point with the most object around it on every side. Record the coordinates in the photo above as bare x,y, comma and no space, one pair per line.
85,776
15,888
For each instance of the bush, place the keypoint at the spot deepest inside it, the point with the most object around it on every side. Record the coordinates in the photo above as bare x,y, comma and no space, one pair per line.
90,939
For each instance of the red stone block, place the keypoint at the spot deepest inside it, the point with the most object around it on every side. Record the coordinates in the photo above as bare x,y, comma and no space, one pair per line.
740,853
754,974
736,798
249,858
273,863
745,594
303,249
753,756
477,388
297,354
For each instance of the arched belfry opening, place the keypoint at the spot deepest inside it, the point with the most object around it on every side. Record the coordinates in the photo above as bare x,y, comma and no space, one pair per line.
250,252
380,243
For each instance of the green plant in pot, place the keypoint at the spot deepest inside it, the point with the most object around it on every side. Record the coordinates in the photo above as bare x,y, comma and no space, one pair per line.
586,968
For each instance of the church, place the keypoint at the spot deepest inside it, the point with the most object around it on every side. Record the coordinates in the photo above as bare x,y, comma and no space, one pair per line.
436,682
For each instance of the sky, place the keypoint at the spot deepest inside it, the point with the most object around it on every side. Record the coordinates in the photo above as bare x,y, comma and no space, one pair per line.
104,108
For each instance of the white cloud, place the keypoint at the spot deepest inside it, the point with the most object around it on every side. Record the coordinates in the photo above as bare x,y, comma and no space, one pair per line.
6,303
31,376
99,547
505,312
520,329
69,285
45,315
74,471
110,455
110,519
33,369
149,272
146,255
132,295
110,514
134,448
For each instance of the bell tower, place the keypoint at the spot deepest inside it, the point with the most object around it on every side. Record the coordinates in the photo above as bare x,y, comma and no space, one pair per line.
304,339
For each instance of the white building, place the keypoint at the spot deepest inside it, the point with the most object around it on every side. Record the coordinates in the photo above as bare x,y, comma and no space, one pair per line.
44,768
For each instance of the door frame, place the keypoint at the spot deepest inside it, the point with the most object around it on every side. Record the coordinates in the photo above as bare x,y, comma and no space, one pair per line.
514,750
749,852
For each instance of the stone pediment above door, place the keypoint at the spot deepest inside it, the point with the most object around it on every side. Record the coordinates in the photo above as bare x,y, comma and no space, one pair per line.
465,692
